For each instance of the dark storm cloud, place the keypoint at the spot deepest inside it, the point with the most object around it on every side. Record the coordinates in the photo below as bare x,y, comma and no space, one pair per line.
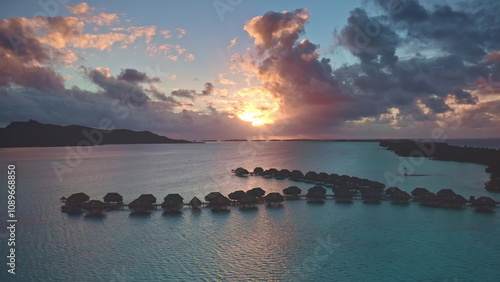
22,58
457,41
133,75
191,94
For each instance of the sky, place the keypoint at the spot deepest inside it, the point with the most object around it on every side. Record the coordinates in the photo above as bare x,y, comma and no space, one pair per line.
226,69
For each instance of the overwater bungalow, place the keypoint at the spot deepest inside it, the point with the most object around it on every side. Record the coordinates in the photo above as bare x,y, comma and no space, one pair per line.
310,177
267,174
454,201
172,203
241,172
195,203
429,200
282,174
292,192
343,195
273,171
257,192
148,198
258,170
322,177
484,204
236,195
419,193
445,193
113,198
94,208
316,194
389,191
220,203
274,199
248,202
296,175
371,195
75,202
141,206
211,196
400,197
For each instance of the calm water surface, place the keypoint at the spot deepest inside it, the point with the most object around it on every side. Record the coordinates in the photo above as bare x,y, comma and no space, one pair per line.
299,242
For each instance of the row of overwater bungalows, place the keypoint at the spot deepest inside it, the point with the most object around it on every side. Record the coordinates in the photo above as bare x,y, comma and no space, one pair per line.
173,203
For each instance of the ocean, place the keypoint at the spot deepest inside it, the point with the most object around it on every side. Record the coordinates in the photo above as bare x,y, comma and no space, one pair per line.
298,242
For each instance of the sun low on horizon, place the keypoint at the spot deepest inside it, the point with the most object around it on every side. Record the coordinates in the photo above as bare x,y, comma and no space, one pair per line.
299,69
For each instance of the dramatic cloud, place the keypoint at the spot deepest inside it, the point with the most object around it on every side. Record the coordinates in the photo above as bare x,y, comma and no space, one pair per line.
191,94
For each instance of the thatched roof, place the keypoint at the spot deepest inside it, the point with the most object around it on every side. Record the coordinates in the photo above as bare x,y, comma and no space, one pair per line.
274,198
389,191
139,203
173,198
195,202
400,195
273,170
236,195
418,192
258,170
220,200
148,198
297,174
93,204
113,197
484,201
241,171
292,190
316,190
311,175
444,193
257,192
323,176
248,199
454,199
212,195
430,197
77,197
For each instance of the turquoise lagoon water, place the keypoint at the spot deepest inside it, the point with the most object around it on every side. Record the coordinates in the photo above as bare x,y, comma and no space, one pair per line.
299,242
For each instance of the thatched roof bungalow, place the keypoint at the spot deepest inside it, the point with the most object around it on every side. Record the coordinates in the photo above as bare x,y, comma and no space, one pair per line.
236,195
139,206
172,203
292,192
371,195
241,172
148,198
220,203
274,199
310,177
296,175
419,193
389,191
195,203
257,192
114,198
248,202
211,196
75,202
258,170
94,208
400,197
484,204
453,201
343,195
316,194
430,200
445,193
282,174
